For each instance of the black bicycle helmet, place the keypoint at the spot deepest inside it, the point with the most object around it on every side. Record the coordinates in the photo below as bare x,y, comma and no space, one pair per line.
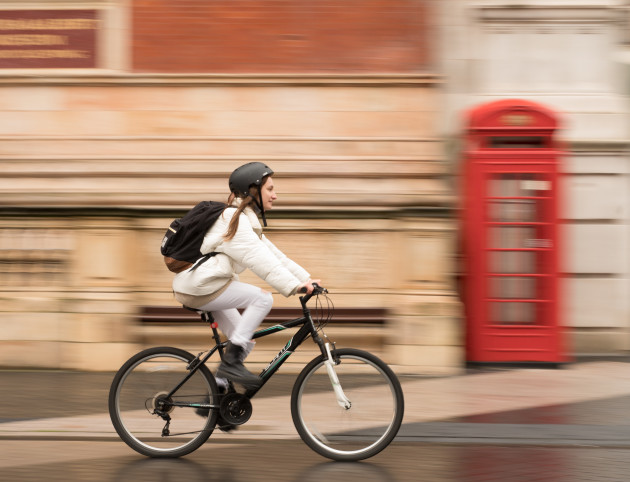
246,176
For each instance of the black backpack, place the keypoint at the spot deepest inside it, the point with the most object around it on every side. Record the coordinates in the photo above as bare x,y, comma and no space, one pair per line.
183,238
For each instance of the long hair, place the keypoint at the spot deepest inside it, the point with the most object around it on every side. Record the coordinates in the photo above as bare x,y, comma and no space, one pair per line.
245,202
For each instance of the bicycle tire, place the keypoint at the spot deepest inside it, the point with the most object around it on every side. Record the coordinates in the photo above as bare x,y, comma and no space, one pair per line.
363,430
142,383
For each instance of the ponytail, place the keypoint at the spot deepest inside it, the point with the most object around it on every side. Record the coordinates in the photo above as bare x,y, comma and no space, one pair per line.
233,226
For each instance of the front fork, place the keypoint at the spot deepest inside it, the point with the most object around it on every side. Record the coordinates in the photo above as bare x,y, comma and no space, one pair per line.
330,362
342,400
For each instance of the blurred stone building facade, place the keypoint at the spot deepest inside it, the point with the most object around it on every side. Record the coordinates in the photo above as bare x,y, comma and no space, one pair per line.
120,115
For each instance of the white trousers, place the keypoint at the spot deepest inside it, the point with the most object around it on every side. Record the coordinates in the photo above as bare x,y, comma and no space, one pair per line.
239,328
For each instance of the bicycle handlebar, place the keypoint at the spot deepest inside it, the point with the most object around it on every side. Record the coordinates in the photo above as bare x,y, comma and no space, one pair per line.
317,290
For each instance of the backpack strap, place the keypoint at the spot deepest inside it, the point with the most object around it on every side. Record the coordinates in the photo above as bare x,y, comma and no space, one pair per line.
202,260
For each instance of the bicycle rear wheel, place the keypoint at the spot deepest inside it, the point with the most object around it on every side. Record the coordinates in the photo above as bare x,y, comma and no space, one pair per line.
367,426
139,405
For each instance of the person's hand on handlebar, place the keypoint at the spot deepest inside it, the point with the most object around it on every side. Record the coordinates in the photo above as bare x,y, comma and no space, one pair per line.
308,286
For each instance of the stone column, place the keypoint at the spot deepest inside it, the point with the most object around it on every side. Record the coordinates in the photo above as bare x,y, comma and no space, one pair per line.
426,329
100,303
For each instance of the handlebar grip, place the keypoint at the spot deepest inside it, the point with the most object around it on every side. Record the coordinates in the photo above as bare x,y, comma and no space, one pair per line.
316,289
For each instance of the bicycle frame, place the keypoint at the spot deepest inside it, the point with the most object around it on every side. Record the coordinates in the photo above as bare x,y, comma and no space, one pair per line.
307,329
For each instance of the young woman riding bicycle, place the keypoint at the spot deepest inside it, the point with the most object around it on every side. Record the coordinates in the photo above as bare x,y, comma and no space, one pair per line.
214,286
346,403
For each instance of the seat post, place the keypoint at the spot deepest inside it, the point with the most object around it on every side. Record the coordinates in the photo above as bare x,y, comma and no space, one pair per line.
207,317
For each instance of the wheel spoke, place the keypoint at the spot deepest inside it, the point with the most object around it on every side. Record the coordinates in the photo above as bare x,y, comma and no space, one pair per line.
348,433
150,420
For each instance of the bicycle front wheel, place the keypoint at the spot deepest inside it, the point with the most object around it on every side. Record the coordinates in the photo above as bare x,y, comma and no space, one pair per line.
151,420
347,431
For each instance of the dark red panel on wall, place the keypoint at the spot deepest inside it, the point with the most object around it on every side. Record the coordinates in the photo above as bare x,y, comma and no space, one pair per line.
48,39
280,36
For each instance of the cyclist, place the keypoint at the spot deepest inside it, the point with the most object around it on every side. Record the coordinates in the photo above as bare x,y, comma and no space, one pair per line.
237,236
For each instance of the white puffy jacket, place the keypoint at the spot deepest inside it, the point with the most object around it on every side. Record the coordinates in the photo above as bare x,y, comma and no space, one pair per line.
249,248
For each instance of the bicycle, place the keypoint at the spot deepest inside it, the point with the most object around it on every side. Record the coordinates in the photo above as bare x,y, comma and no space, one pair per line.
346,404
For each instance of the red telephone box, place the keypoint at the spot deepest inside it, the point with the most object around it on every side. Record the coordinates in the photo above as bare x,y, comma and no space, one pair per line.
510,234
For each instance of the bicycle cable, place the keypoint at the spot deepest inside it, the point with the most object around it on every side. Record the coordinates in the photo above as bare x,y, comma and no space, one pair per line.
323,314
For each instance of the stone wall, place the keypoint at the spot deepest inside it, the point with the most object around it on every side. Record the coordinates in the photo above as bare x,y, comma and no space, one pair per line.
95,166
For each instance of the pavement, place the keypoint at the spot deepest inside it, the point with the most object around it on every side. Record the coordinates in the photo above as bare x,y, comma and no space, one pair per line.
582,404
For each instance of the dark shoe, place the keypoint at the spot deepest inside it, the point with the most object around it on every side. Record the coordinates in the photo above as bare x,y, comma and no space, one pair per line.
203,412
233,369
223,425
